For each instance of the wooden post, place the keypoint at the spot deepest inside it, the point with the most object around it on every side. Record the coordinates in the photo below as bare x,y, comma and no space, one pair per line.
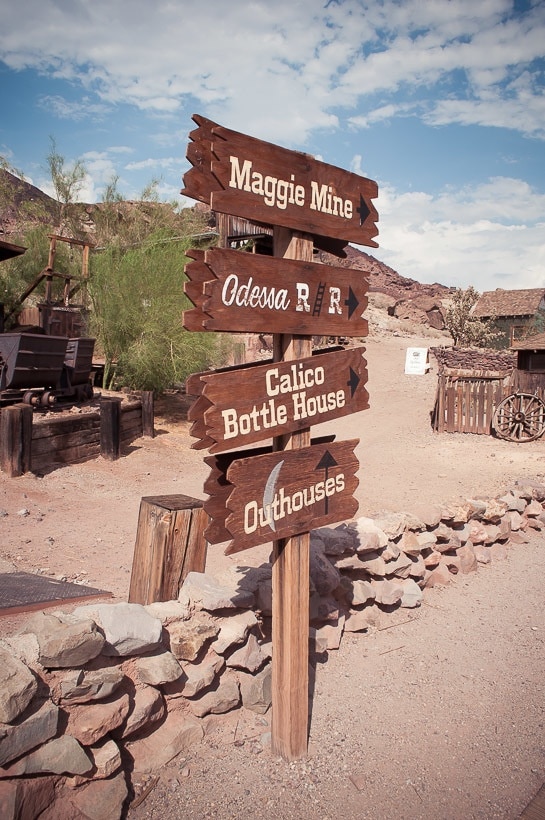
16,439
110,428
169,543
148,414
290,619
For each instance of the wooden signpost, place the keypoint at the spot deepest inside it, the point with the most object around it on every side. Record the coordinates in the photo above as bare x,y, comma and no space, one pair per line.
279,493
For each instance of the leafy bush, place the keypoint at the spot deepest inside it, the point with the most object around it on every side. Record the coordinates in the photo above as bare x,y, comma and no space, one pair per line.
467,331
138,299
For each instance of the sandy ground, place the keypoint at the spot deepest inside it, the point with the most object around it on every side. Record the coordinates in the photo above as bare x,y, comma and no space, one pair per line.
438,717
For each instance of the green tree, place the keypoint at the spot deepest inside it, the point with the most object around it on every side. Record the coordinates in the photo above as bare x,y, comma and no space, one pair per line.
67,182
137,297
467,331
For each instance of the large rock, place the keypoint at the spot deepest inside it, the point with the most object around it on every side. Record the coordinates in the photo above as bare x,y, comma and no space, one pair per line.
101,799
330,635
36,726
84,686
468,561
158,669
324,575
387,593
188,638
17,687
197,677
374,564
62,755
249,657
360,592
358,620
148,709
336,541
90,722
233,630
65,641
412,594
202,592
256,690
26,798
222,699
128,628
400,567
179,733
364,528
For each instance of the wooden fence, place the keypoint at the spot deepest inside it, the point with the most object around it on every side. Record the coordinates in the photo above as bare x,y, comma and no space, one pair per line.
30,443
466,403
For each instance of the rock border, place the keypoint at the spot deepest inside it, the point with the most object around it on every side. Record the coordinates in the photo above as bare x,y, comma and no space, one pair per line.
92,699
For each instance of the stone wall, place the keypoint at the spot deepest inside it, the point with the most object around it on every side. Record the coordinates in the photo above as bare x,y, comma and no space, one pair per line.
93,699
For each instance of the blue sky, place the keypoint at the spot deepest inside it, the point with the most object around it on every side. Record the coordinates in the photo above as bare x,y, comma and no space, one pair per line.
441,102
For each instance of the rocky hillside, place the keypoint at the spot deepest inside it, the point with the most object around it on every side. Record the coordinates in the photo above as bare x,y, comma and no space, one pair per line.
23,206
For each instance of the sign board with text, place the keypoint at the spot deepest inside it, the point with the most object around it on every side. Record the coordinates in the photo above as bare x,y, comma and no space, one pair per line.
243,176
263,294
290,492
278,398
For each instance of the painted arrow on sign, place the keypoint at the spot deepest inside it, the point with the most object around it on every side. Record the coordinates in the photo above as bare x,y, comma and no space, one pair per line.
291,492
263,294
278,398
243,176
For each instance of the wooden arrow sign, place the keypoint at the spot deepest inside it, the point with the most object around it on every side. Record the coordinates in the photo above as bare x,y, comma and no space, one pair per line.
243,176
218,488
290,492
233,290
277,398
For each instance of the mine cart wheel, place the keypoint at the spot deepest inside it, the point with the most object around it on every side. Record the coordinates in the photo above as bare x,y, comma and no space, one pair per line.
520,417
48,399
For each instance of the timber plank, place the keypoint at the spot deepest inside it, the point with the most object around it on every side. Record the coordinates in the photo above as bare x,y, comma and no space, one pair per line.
297,191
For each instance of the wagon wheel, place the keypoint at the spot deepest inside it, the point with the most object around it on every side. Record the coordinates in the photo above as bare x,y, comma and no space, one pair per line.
520,417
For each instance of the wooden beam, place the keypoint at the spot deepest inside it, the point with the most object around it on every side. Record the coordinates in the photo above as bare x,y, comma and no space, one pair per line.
291,571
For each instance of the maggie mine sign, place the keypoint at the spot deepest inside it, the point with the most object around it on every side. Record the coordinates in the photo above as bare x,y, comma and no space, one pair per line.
265,183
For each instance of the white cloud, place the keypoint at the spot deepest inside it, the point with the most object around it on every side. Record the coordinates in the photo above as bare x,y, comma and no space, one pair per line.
282,69
490,235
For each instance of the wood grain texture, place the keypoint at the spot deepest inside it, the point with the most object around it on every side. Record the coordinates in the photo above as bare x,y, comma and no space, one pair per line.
279,187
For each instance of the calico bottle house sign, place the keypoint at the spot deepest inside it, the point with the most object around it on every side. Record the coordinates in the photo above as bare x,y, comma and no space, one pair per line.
277,398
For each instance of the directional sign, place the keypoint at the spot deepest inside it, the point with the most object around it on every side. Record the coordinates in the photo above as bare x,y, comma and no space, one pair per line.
278,398
218,488
243,176
233,290
290,492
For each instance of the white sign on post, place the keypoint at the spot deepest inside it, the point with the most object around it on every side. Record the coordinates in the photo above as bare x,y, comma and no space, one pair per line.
416,361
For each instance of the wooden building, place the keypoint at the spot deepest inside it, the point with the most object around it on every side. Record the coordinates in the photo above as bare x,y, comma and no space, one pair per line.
512,312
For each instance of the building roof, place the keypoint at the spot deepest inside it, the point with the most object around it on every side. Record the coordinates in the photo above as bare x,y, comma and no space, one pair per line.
495,303
8,250
536,342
